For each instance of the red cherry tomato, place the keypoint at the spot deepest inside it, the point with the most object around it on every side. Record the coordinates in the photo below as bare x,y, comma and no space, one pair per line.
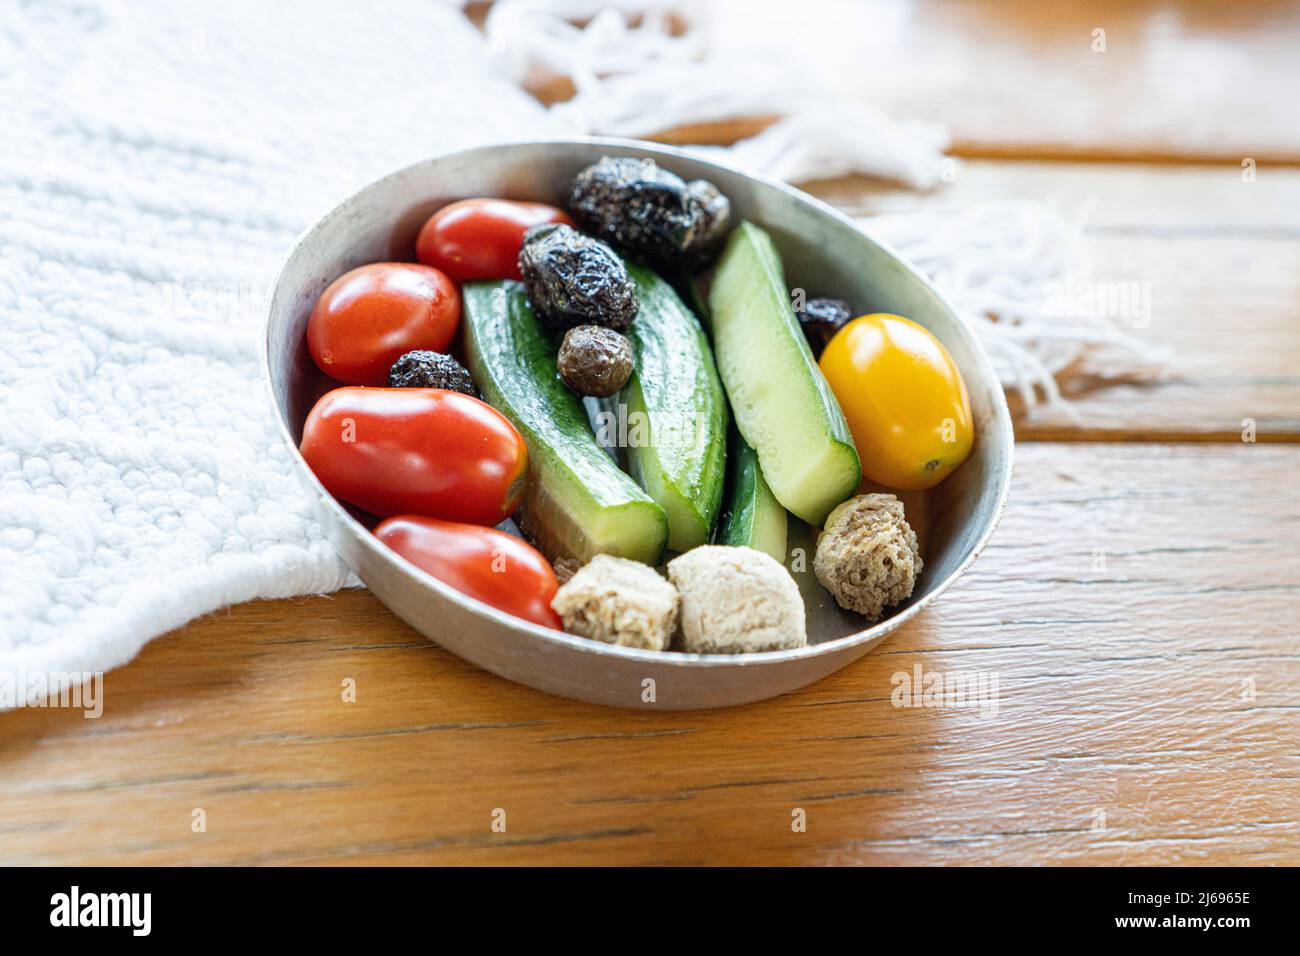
480,238
422,451
490,565
370,317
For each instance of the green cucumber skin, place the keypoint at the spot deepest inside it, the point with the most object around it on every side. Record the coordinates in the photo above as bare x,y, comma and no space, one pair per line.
752,516
676,387
781,401
578,503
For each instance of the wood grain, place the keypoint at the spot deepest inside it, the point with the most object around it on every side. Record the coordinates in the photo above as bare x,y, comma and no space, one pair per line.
1219,258
1158,687
1180,80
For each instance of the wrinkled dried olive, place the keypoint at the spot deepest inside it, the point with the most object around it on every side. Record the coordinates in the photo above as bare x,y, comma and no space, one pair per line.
594,360
635,205
821,319
424,369
715,210
573,279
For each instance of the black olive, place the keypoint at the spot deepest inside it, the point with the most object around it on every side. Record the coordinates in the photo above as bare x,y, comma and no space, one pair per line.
716,211
424,369
821,319
637,206
573,279
594,360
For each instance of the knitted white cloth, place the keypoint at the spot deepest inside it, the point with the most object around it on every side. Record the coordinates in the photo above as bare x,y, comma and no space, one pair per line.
159,159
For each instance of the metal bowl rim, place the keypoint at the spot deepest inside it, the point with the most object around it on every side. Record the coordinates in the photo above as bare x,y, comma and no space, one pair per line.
586,645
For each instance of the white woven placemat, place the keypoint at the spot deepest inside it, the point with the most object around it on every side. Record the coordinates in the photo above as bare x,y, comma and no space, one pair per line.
158,161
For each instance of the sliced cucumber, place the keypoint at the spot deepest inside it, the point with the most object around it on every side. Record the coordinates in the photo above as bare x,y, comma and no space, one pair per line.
782,403
679,456
752,516
578,503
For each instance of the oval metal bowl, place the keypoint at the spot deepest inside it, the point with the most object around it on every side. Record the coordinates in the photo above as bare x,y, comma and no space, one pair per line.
823,252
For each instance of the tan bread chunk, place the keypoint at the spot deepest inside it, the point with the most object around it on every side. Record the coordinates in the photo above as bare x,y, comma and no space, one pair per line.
619,602
867,556
736,600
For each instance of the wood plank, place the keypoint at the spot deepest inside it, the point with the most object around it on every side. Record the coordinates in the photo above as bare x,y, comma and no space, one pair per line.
1180,80
1137,606
1220,259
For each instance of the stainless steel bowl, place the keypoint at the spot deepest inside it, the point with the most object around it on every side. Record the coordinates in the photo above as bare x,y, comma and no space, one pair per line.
823,252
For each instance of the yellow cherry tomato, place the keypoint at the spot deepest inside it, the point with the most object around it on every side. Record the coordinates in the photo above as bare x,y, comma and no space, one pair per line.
904,399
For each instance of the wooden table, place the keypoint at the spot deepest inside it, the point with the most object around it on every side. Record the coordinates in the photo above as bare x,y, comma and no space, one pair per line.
1150,698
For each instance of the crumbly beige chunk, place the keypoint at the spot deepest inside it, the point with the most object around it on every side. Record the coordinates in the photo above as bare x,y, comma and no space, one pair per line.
867,556
619,602
736,600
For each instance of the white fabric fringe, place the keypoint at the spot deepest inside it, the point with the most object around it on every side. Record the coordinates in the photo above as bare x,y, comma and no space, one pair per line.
1002,264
